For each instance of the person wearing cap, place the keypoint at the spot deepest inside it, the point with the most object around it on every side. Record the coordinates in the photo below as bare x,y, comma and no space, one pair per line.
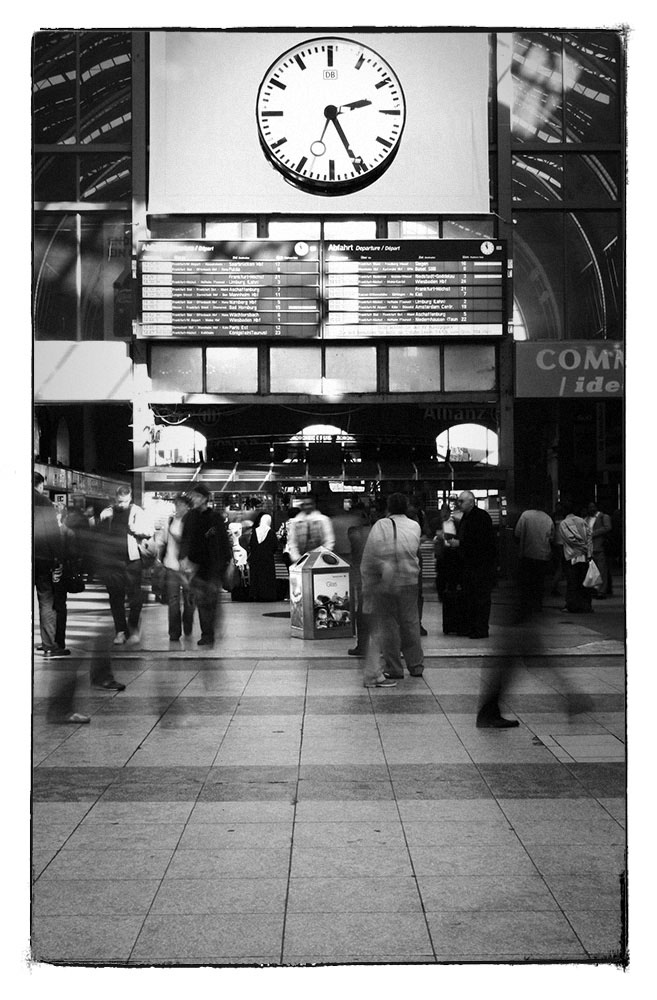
124,528
205,551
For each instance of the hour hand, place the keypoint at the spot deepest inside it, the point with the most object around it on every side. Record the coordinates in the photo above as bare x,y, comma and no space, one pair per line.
353,105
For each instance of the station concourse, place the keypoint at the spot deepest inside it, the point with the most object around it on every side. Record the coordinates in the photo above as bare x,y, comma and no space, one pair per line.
255,805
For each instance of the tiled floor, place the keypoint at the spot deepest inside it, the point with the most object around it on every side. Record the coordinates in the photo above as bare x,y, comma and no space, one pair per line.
256,805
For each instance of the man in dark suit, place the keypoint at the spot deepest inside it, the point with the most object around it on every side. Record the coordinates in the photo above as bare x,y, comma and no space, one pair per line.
475,543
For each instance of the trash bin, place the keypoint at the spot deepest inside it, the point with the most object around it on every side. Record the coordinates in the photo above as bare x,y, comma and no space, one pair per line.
321,595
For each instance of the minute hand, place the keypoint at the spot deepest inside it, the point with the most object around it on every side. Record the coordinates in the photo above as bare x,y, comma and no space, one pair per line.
345,142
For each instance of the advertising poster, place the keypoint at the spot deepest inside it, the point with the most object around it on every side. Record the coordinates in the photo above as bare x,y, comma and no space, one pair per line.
331,601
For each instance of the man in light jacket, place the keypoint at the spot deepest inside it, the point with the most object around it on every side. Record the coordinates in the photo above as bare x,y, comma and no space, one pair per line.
390,570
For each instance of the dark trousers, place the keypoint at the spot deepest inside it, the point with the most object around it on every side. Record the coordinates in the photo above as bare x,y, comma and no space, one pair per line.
125,585
61,614
45,599
477,586
578,597
531,582
175,593
205,595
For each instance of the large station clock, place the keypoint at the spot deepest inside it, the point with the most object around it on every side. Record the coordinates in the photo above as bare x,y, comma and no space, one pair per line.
330,114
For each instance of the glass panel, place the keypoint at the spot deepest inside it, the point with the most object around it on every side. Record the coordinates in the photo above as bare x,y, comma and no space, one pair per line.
296,369
53,87
468,443
537,83
537,179
177,368
349,369
55,262
538,273
55,177
591,86
469,367
593,275
413,228
294,230
170,228
364,229
105,87
104,178
592,178
467,229
231,369
413,369
247,230
106,305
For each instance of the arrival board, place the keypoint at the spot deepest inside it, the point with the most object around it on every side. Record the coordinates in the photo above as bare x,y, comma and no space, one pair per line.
198,288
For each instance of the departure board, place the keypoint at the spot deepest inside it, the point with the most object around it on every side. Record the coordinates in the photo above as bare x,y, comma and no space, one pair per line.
330,289
199,288
414,288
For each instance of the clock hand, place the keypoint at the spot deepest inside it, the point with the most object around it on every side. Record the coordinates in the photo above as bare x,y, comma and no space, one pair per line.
331,114
353,105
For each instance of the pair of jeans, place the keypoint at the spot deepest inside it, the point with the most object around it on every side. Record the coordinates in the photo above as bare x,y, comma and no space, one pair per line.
123,585
394,631
175,593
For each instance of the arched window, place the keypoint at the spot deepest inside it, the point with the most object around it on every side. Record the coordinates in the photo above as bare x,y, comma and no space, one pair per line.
177,445
468,443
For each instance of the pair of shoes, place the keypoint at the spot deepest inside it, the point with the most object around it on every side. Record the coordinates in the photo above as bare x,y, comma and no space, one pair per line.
423,631
75,718
355,652
416,671
134,639
381,682
205,641
119,639
57,651
394,677
40,648
109,684
496,723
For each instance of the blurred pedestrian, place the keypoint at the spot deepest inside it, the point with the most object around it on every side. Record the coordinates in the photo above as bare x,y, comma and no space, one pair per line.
534,532
176,589
358,535
390,568
205,551
261,551
309,530
416,512
577,548
48,566
475,542
125,529
600,527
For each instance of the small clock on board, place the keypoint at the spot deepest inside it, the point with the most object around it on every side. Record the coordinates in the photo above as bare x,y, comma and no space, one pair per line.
330,114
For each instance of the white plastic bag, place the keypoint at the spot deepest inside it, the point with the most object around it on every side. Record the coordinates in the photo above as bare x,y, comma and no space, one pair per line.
593,577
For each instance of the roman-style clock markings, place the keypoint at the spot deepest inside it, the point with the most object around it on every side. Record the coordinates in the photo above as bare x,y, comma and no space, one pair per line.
344,112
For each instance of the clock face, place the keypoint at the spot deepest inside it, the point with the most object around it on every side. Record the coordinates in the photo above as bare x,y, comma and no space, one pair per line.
330,115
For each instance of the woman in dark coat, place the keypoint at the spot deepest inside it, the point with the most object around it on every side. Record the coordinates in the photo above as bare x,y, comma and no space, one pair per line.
262,570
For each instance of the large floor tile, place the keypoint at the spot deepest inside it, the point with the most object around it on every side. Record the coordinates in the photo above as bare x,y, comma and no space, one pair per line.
241,836
602,932
95,897
347,861
207,939
76,939
373,835
471,859
109,863
221,895
529,935
225,862
485,892
367,894
371,934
